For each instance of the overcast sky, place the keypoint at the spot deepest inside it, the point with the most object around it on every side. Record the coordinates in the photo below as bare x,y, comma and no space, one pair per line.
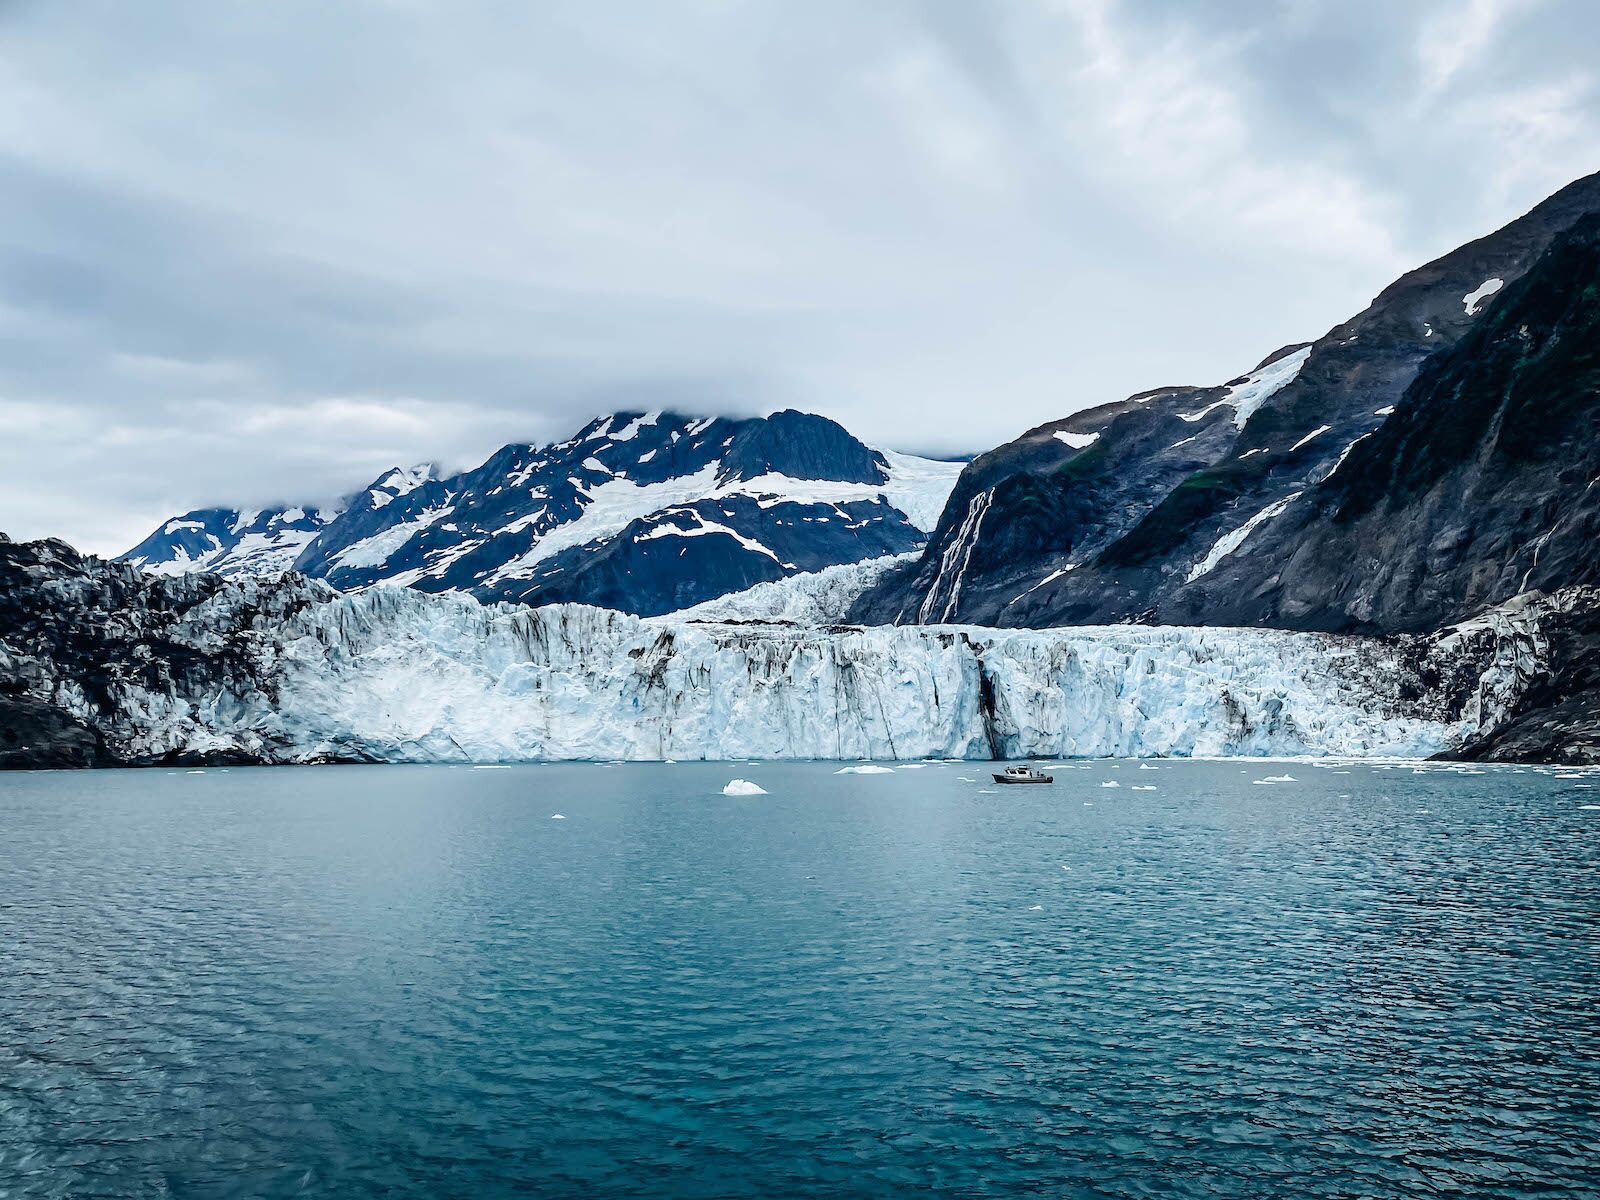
257,252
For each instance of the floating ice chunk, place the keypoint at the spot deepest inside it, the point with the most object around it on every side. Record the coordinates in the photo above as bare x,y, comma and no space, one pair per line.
558,816
1148,767
491,766
865,769
1143,787
743,787
1037,908
1111,783
1282,779
1589,807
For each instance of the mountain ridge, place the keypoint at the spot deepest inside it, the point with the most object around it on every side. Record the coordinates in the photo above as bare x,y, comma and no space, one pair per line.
1124,512
641,511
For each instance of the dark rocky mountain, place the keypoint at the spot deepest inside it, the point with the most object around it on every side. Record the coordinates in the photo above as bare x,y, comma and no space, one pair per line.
90,649
1483,484
644,512
1197,505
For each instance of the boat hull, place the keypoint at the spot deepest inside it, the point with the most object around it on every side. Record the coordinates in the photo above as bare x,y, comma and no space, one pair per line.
1014,779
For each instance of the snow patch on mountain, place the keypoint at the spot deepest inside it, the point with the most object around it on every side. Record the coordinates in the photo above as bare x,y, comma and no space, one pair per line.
1312,436
399,482
1231,541
1260,386
380,547
1078,441
1475,298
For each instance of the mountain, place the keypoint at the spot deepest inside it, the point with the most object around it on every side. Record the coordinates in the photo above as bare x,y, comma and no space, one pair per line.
231,541
1463,396
1483,484
104,664
641,512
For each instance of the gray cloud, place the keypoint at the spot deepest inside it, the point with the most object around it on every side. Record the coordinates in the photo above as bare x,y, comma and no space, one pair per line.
264,252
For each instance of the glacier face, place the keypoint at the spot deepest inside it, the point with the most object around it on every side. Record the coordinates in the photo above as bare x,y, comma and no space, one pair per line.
400,677
132,668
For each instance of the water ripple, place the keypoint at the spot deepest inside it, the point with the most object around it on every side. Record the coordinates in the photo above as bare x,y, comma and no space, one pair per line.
410,981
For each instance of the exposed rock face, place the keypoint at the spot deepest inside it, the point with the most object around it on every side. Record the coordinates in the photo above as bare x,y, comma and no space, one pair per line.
642,512
1183,505
1483,484
104,664
1553,711
92,653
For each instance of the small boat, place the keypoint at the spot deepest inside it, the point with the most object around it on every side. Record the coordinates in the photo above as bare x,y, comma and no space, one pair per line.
1022,775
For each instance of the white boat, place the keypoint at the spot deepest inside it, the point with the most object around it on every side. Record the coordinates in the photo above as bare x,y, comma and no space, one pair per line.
1022,775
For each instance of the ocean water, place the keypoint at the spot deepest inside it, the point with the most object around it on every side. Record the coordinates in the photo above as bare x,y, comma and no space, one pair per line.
416,981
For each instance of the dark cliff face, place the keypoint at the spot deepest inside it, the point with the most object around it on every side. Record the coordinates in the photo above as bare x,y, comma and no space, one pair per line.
1485,482
80,637
1145,522
801,446
1556,717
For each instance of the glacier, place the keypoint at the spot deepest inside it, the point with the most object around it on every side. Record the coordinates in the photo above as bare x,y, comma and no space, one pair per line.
287,670
396,676
812,598
401,677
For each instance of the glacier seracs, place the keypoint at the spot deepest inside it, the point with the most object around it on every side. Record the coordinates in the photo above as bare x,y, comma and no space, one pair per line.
397,676
282,670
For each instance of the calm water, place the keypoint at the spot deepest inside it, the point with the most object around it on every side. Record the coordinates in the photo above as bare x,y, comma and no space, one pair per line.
413,981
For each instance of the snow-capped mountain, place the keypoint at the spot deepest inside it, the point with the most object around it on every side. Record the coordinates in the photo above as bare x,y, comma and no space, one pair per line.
1230,504
642,512
231,541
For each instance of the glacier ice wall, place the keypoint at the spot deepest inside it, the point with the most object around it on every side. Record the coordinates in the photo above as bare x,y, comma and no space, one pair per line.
394,675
